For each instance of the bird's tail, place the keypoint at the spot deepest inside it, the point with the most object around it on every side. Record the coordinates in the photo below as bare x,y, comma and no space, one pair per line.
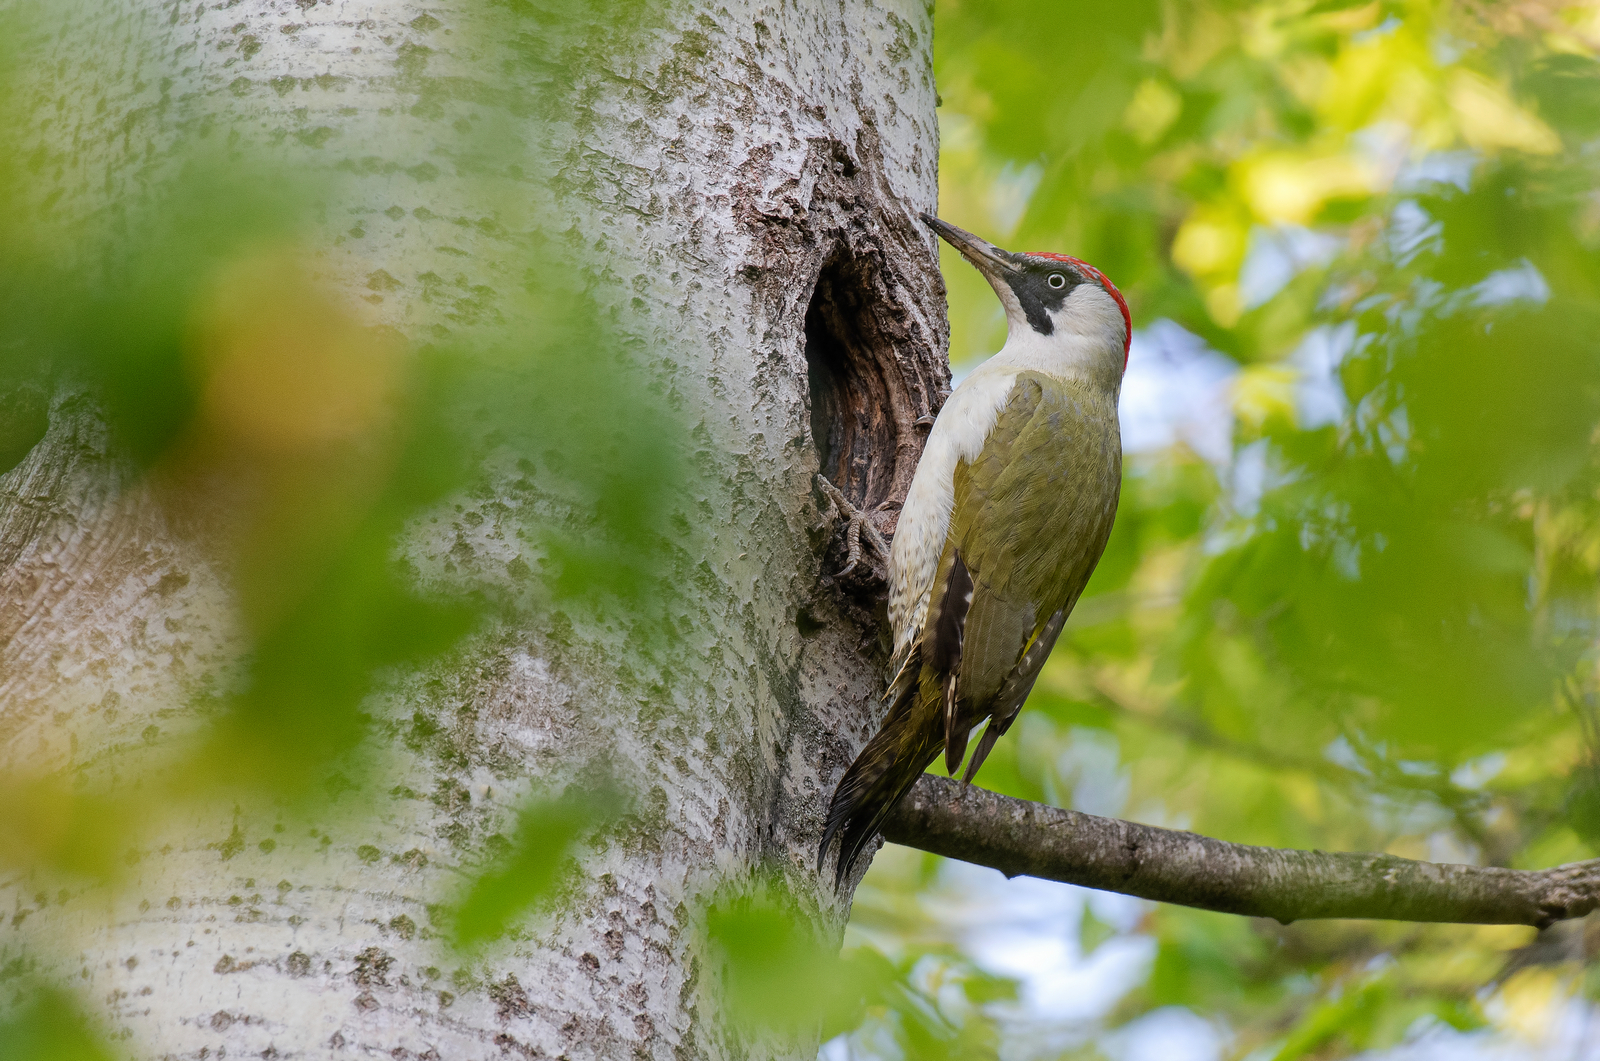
884,771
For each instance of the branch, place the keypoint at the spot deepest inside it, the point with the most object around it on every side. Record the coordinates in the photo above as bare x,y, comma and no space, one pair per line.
1018,837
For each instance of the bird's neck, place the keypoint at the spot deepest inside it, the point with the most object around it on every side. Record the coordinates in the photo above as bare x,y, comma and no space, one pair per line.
1072,356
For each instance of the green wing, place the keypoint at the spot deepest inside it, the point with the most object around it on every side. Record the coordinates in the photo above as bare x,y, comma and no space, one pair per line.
1031,518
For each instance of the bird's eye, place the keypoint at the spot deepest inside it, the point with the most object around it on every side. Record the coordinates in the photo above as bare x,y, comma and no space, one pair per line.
1057,281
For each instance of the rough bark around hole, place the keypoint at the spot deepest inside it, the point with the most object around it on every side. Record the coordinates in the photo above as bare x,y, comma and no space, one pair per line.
874,357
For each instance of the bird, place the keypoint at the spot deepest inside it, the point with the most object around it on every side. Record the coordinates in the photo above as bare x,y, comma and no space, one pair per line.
1006,517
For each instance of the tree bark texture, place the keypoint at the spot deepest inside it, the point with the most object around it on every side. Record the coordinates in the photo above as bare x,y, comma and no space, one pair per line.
1019,837
751,174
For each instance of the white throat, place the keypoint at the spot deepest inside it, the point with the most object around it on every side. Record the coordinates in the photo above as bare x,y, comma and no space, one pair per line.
1087,343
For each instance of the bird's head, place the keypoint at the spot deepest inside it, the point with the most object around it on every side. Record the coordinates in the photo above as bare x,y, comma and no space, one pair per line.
1051,299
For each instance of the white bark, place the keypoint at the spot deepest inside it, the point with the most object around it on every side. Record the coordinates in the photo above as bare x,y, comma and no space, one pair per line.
724,157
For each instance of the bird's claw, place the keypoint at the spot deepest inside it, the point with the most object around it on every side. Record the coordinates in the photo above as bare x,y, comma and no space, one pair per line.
839,505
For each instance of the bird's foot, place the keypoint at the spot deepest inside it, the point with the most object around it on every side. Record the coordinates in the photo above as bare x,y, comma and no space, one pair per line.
859,527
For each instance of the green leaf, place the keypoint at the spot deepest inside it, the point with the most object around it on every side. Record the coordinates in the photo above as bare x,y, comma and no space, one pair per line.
50,1027
529,873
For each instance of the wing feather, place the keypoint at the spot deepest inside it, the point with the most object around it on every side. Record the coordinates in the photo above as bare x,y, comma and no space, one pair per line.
949,634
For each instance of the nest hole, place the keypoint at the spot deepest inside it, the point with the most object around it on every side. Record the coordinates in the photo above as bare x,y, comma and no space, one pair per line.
859,407
868,407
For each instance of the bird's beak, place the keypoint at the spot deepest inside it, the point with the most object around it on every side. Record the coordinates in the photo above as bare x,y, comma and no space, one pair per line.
990,260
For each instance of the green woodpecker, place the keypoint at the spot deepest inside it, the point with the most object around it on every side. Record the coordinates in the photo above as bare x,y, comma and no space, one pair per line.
1007,515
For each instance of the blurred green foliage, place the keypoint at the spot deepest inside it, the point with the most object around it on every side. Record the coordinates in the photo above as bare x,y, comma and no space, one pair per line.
319,437
48,1027
778,975
529,871
1372,624
291,435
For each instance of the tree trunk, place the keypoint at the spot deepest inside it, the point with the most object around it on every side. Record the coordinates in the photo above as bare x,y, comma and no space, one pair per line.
750,174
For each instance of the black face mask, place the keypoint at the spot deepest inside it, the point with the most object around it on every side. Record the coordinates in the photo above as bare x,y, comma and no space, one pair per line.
1038,295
